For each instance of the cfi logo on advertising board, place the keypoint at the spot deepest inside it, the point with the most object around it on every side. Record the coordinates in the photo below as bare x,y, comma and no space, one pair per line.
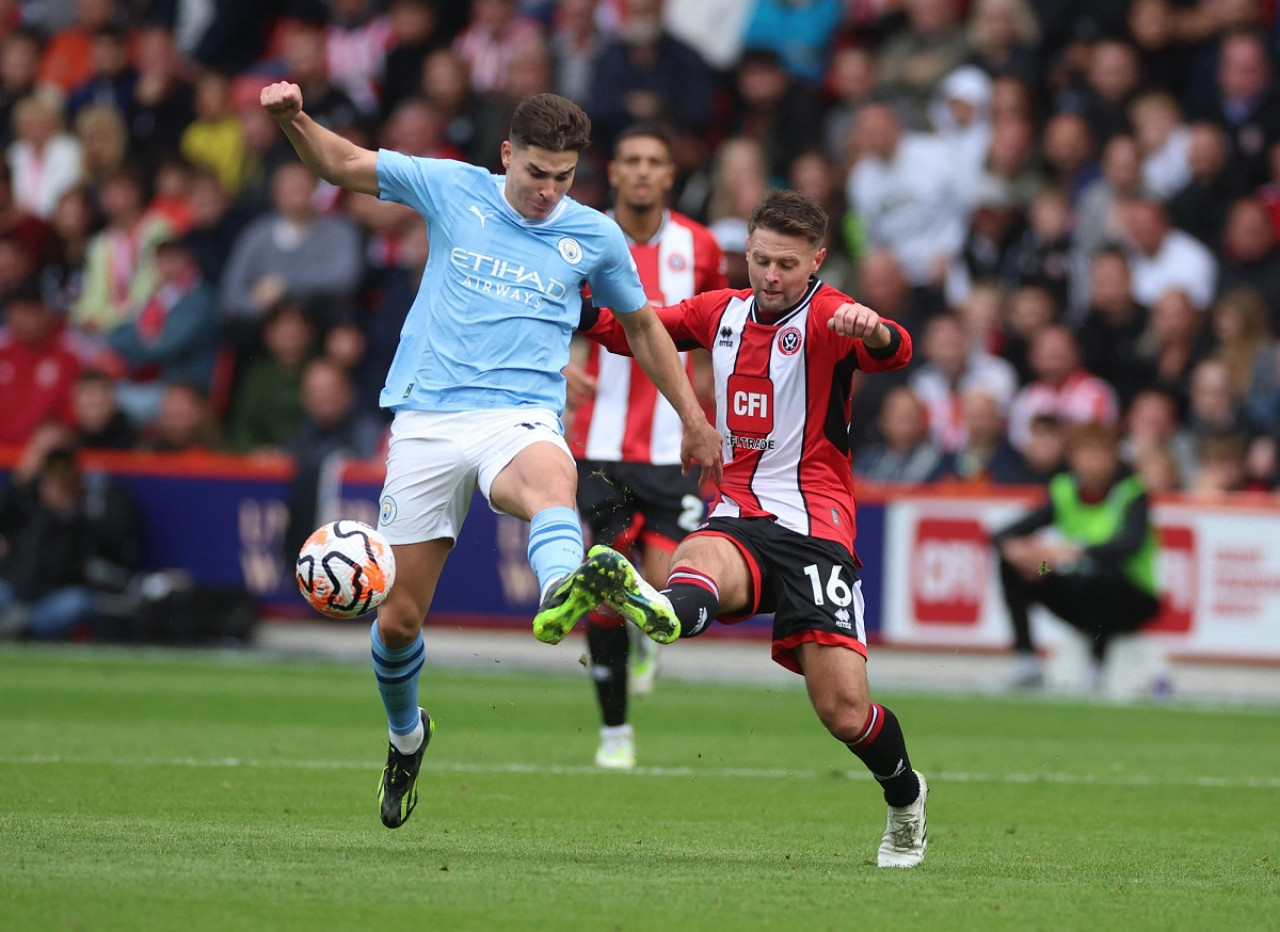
950,562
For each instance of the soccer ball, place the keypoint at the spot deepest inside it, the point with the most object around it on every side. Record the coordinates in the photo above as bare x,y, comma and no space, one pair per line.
345,569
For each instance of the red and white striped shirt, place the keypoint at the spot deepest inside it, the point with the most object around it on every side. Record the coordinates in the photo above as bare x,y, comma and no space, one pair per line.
628,420
944,400
1082,397
488,54
356,55
782,403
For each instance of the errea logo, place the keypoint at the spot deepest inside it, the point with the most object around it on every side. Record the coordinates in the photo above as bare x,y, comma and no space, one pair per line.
726,336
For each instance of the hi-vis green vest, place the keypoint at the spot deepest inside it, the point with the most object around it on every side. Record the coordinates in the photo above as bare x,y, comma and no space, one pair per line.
1096,524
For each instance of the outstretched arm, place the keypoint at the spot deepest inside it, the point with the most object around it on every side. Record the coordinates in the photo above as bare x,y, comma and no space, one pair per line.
603,327
882,345
338,161
652,347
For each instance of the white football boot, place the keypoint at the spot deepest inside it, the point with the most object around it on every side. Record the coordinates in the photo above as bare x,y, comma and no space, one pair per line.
617,749
905,839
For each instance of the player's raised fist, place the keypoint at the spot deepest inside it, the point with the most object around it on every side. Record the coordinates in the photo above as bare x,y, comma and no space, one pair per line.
282,99
861,323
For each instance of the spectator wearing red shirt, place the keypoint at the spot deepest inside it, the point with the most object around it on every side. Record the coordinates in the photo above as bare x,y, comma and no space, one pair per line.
1062,387
1251,254
30,231
496,33
37,367
68,58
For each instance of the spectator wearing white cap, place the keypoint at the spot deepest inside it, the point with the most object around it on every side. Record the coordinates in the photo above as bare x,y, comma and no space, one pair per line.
960,113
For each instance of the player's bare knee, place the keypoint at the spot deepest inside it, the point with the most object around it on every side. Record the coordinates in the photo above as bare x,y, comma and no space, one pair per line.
399,622
843,717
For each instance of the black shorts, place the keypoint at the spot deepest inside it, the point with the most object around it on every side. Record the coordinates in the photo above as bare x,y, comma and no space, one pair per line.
810,584
611,496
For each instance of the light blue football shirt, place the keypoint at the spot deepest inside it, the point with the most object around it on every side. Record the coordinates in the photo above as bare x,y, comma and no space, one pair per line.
501,295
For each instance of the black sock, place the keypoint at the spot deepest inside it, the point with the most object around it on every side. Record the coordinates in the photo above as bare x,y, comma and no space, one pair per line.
695,597
883,750
608,646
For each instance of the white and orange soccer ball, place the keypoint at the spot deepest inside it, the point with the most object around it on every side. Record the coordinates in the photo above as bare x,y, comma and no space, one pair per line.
345,569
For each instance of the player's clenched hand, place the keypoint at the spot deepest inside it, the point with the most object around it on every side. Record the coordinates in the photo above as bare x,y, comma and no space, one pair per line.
703,445
282,100
861,323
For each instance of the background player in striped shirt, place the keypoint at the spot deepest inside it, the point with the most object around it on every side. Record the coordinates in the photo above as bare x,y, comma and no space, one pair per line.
781,533
476,383
627,437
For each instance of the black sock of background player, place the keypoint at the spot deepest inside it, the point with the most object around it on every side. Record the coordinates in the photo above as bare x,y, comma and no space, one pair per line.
608,646
695,597
883,749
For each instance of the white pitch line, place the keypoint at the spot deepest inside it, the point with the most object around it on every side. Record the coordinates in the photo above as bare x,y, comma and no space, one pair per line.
1070,779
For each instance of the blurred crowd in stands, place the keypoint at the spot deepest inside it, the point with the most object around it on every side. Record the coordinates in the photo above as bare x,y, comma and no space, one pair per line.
1073,207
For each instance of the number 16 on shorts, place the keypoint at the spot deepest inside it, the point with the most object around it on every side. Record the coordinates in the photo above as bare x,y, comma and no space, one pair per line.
837,598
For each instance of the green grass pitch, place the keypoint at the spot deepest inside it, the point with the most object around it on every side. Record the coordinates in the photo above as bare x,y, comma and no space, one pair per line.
188,791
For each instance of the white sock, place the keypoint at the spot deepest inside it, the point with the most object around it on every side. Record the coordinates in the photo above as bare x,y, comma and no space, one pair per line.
409,744
609,732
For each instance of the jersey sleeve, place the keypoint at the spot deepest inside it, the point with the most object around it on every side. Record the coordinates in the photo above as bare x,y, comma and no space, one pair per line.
614,281
686,322
711,269
887,358
414,182
884,359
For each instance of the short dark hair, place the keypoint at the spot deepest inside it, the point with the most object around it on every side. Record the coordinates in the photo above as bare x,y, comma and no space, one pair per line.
59,463
551,122
643,131
1093,434
1047,421
759,57
94,377
27,291
1219,445
184,244
790,213
1111,250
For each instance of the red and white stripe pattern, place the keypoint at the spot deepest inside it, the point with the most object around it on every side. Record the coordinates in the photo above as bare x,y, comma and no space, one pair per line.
871,729
781,386
356,56
782,404
687,576
488,54
628,420
1082,397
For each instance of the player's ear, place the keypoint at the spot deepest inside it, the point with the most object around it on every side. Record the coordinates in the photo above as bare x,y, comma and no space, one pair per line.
506,153
818,257
668,179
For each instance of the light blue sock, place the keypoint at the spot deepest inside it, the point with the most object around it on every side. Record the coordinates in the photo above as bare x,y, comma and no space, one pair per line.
555,544
397,670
